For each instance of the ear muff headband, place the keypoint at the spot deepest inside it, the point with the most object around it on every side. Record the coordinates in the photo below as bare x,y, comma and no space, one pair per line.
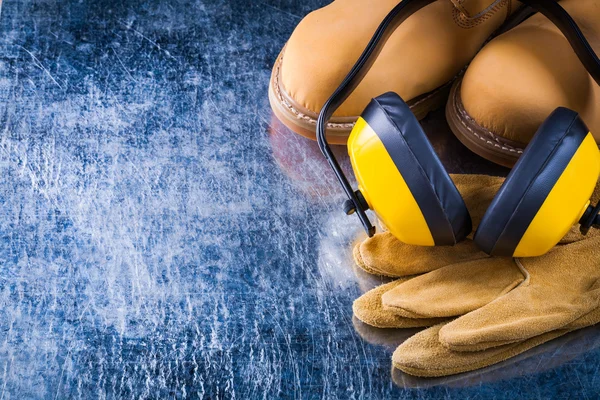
549,8
398,14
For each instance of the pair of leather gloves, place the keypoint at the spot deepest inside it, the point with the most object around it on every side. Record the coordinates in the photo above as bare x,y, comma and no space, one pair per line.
480,310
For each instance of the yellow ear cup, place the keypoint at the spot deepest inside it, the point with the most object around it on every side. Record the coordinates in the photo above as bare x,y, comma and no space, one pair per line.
401,178
546,193
384,188
566,202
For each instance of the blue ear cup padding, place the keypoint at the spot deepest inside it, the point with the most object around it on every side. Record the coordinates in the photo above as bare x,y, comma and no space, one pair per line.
529,183
403,138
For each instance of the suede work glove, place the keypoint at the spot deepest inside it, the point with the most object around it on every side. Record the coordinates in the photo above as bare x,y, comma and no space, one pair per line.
505,306
558,293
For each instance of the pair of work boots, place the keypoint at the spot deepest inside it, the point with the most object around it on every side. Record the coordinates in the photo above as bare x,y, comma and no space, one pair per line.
499,70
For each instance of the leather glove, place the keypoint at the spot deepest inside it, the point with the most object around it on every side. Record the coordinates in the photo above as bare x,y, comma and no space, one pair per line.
509,305
556,294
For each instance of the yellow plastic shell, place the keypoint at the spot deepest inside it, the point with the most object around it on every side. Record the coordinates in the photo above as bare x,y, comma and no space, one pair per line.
384,188
566,202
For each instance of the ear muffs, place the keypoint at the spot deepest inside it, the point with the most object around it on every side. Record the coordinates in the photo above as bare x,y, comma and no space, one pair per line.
383,148
546,193
401,178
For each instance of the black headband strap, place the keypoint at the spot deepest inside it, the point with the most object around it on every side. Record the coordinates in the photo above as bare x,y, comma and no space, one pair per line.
549,8
563,21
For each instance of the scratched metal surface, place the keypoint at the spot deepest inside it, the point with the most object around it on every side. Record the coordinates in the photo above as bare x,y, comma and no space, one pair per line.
163,237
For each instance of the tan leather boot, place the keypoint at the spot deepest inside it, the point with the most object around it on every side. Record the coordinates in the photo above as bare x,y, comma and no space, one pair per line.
419,61
518,79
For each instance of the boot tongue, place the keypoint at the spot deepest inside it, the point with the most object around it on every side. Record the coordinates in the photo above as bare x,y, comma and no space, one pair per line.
472,12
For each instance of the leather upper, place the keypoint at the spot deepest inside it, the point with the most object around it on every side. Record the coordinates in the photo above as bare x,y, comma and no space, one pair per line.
424,53
520,77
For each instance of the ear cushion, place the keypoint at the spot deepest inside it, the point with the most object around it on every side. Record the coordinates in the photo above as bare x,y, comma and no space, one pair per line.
403,138
530,182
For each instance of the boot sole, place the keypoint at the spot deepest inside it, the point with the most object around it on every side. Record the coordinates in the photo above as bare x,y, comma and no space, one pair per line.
477,138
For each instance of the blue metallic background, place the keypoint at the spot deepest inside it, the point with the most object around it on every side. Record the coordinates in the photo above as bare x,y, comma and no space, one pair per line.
162,236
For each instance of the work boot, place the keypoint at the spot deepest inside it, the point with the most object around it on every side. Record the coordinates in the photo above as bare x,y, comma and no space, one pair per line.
518,79
419,61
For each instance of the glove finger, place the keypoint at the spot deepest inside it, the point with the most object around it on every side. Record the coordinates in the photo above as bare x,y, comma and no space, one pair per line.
424,355
457,337
560,287
453,290
539,359
368,309
385,255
